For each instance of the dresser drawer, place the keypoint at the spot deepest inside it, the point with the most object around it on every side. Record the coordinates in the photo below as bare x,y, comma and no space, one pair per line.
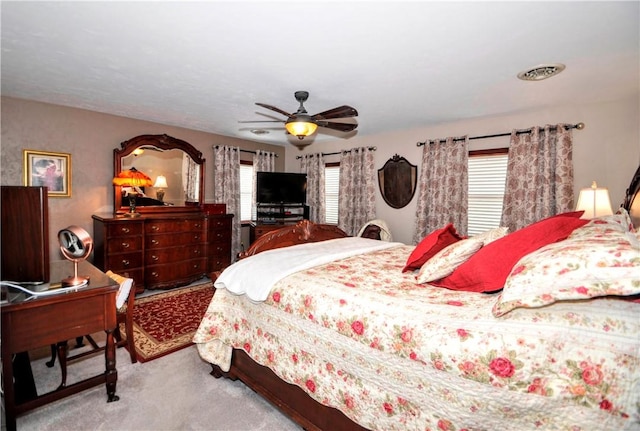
124,244
185,238
165,273
123,229
177,225
119,262
174,254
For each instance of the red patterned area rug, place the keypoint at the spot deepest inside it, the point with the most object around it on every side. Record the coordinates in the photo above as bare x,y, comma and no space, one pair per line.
166,322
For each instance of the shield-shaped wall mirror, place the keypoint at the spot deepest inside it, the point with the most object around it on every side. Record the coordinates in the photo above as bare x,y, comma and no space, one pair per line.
397,180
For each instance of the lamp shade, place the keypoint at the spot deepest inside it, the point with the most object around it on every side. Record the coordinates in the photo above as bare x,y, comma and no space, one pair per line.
594,201
161,182
301,126
132,178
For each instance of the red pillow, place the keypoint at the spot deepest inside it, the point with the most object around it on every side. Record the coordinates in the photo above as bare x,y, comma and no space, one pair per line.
488,269
430,245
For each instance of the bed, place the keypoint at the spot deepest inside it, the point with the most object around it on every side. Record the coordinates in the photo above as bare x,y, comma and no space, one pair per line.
359,340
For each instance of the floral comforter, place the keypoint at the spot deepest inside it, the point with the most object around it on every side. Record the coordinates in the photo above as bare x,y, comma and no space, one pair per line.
361,336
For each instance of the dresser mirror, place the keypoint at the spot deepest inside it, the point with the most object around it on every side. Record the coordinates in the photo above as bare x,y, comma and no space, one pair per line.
175,169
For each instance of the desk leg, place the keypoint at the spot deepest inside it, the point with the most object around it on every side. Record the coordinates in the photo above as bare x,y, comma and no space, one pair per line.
9,395
111,374
62,348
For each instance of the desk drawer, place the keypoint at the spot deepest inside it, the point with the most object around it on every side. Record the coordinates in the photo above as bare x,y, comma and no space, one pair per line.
174,254
124,261
124,244
175,239
123,229
171,226
167,273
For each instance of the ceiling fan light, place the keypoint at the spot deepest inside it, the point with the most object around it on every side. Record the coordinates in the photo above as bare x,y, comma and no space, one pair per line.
300,127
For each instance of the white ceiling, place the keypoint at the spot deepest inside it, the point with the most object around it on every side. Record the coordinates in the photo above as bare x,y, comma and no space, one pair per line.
202,65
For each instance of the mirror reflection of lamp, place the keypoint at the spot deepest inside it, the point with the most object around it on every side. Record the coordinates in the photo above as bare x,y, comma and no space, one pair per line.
160,185
594,201
132,178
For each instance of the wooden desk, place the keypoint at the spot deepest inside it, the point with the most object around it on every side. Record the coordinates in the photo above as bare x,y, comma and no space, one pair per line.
47,320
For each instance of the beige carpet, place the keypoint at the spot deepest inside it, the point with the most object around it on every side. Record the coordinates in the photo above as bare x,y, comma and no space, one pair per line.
174,392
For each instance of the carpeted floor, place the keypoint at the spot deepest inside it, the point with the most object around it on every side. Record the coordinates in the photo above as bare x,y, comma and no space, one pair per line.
174,392
165,322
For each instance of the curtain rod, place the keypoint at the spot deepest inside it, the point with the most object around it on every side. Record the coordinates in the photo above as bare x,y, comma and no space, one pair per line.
339,152
578,126
244,151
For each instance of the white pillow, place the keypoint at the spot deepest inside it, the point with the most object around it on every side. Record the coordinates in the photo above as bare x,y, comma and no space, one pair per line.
448,259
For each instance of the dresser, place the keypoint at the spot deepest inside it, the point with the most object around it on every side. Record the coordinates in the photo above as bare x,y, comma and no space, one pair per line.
163,251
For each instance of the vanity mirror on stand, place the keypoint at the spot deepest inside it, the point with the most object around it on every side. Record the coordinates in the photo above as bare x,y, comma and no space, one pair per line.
174,240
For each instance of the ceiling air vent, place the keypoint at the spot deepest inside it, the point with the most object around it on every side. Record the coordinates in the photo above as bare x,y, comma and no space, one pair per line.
541,72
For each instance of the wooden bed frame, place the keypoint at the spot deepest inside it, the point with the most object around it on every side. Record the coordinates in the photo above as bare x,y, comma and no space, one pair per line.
290,399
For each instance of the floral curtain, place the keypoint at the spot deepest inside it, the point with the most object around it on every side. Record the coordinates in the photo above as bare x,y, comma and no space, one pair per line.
226,177
313,166
357,201
443,186
190,179
539,180
263,161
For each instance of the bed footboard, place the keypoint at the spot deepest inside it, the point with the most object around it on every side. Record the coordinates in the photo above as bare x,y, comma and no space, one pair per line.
290,399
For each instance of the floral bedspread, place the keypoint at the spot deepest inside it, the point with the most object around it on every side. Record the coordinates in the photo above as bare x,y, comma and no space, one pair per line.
361,336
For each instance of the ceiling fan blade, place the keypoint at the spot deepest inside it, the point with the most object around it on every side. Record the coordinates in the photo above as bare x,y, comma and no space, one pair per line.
261,121
273,108
343,111
342,127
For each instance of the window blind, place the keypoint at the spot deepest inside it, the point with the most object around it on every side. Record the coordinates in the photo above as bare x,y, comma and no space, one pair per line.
331,191
246,192
487,175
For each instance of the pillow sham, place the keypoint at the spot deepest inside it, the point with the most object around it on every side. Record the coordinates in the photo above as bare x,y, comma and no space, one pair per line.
430,245
574,269
619,222
488,269
492,234
448,259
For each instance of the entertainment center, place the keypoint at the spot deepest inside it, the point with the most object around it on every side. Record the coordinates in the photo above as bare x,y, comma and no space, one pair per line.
281,200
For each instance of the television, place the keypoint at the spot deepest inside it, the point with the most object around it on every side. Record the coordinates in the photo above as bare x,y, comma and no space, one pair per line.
281,188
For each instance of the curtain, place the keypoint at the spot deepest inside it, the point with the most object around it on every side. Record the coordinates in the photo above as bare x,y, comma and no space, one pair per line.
357,200
263,161
190,179
226,177
313,166
443,187
539,180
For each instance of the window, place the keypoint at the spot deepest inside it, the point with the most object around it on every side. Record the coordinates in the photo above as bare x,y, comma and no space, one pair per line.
331,191
487,175
246,191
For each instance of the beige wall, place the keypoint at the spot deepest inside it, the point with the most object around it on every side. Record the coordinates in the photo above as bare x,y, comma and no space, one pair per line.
90,138
607,150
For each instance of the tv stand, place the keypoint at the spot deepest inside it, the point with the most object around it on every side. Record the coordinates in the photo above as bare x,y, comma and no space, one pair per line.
271,216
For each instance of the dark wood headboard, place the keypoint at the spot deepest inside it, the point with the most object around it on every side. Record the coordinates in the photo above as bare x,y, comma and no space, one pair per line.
632,199
302,232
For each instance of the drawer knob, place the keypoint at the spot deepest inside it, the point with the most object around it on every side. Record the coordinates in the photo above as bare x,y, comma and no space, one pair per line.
154,241
126,262
125,230
196,237
155,228
154,274
154,258
126,245
196,251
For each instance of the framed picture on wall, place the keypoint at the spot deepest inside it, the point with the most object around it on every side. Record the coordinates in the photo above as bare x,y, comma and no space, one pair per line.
51,170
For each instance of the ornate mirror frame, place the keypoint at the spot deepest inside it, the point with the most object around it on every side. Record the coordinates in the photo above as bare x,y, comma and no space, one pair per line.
397,180
161,142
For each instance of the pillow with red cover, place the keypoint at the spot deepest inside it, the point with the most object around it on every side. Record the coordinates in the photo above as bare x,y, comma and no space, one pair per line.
430,245
488,269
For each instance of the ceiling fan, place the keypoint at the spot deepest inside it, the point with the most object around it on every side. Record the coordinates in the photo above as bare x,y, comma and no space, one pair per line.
301,124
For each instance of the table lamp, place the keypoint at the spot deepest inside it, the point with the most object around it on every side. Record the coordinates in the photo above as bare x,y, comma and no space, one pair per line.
132,178
160,185
594,201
